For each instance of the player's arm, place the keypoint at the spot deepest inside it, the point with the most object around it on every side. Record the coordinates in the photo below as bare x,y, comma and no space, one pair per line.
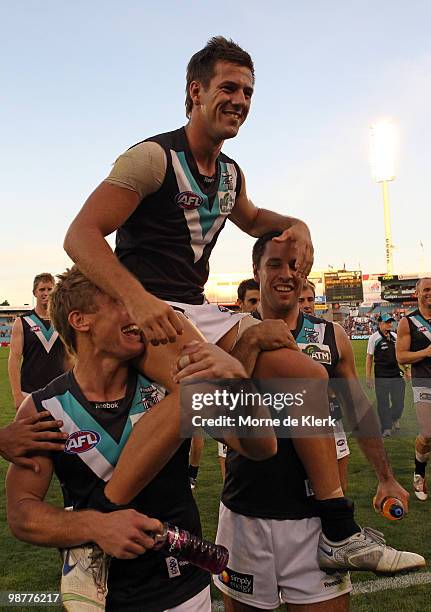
404,367
369,370
107,208
369,363
31,519
404,354
14,362
258,221
268,335
361,415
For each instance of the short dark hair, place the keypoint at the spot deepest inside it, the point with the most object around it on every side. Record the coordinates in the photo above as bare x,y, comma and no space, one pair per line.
201,64
259,246
245,285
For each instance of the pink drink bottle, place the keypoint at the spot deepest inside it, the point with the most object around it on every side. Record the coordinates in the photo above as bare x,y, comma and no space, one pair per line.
180,543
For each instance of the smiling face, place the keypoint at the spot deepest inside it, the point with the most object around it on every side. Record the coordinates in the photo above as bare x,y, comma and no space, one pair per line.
112,331
222,107
423,293
280,286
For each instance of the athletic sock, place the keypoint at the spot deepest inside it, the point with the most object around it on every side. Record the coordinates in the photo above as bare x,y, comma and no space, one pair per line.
193,471
337,517
420,467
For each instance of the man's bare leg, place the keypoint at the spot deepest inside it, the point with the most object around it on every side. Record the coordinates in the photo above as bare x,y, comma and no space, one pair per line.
338,604
196,449
153,441
232,605
156,436
317,454
343,466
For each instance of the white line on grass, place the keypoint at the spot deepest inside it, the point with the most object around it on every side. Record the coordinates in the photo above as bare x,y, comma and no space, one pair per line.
397,582
371,586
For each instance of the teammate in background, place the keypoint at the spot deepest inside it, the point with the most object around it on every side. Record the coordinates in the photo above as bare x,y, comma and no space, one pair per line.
35,342
307,299
99,403
268,507
414,347
221,453
388,380
307,303
168,198
248,295
196,448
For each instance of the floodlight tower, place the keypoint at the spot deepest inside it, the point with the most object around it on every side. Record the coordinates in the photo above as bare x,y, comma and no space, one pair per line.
382,150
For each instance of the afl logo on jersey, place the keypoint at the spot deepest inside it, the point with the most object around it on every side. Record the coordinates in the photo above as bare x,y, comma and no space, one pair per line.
35,328
189,200
81,441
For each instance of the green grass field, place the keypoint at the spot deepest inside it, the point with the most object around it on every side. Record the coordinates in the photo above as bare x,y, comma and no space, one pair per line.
28,568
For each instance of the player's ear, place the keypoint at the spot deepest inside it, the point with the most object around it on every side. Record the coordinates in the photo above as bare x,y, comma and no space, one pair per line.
256,274
194,91
80,321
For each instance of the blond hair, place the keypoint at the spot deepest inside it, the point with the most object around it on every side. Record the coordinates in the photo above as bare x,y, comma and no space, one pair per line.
43,277
73,291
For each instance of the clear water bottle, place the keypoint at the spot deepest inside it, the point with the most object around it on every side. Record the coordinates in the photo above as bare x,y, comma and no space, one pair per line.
180,543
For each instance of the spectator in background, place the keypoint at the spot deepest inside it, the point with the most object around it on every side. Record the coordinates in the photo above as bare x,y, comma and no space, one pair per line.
389,382
36,344
248,295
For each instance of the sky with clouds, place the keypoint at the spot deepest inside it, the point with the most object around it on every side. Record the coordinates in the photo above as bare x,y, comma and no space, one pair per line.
83,81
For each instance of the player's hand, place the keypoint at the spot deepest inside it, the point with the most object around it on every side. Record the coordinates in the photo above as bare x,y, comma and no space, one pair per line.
370,383
270,335
408,374
30,435
391,488
303,252
18,398
200,360
158,321
125,534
